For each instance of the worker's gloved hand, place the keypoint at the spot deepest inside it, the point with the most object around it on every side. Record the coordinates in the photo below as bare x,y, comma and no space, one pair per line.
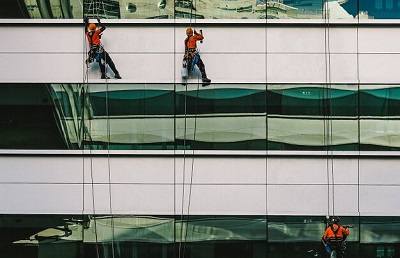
86,20
195,32
98,20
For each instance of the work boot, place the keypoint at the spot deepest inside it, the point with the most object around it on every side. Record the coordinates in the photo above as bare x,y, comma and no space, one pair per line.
104,76
117,76
206,81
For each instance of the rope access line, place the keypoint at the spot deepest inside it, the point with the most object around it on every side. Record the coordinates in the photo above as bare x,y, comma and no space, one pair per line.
266,130
86,91
359,116
183,235
86,80
327,108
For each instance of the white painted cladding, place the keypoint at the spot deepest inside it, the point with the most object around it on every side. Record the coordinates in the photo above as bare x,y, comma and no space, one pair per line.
221,185
251,53
218,185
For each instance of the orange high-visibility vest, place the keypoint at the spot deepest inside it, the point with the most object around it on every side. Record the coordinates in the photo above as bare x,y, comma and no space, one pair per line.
94,38
192,40
335,231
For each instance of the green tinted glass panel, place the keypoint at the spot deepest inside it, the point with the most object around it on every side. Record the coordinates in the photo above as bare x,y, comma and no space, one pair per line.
128,236
228,117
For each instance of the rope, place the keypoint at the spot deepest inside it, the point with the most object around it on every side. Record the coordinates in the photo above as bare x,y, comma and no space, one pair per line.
108,145
87,91
182,242
327,109
266,131
108,142
358,118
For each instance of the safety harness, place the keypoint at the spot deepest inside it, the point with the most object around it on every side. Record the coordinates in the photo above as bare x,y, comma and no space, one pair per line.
95,51
191,54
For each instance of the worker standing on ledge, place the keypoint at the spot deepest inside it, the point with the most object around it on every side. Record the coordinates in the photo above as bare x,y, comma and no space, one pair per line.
97,52
192,56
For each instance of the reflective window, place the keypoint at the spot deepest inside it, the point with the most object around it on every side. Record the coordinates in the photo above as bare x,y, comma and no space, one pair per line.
312,117
130,116
379,107
204,9
221,117
75,236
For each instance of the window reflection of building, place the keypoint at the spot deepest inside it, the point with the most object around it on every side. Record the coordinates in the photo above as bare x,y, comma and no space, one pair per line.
206,9
389,4
378,4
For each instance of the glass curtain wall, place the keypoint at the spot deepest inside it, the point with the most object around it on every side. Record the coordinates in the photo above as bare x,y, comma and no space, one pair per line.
75,236
202,9
222,117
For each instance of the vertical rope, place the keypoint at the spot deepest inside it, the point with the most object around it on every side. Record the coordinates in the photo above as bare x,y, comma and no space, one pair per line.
175,135
266,130
96,5
183,235
358,120
327,104
108,140
183,173
86,92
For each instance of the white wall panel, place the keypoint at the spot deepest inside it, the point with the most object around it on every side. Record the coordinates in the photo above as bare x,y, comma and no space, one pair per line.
288,40
17,169
138,68
341,40
297,199
296,68
379,40
41,67
291,40
346,171
379,68
220,170
297,171
150,170
227,39
96,169
97,198
42,39
139,39
229,68
120,170
379,172
41,198
145,54
220,185
345,200
379,200
143,199
343,68
221,199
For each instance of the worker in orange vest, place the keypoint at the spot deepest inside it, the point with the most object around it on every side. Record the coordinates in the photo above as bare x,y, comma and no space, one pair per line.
192,56
334,237
97,52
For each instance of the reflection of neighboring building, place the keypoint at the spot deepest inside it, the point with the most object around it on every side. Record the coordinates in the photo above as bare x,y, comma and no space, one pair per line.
102,9
378,9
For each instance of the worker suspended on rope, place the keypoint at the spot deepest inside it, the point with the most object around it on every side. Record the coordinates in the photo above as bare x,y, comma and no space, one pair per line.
334,238
97,52
192,57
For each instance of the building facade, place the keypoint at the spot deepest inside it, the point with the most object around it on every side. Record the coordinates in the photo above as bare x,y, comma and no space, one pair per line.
300,123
